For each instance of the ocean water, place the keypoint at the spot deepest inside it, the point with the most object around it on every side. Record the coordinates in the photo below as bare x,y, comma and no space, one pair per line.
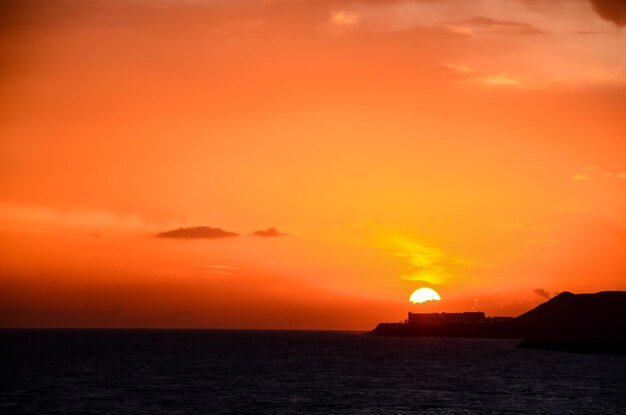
285,372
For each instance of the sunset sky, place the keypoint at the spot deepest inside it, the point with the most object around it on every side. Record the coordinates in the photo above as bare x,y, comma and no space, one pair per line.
340,154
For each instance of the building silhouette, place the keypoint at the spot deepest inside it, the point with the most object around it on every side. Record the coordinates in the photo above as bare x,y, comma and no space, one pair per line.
440,319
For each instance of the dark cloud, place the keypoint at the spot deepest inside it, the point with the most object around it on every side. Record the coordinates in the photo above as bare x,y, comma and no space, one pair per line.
198,232
269,232
611,10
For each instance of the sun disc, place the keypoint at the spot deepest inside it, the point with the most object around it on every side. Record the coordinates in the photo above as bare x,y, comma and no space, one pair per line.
422,295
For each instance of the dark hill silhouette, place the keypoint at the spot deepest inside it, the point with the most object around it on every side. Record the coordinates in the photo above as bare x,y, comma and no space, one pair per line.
592,323
577,322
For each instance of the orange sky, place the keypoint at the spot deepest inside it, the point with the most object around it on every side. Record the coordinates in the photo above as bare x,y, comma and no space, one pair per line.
475,147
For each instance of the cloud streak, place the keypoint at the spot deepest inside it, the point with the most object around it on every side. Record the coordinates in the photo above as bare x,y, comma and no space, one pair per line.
424,263
500,80
224,270
419,261
595,173
482,24
340,18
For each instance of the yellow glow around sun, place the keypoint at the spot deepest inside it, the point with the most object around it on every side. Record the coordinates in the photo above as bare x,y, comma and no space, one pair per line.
422,295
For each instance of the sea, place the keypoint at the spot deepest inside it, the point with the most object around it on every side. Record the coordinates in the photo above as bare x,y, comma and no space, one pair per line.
293,372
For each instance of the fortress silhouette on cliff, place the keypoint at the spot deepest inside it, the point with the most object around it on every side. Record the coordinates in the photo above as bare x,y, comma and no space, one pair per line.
438,319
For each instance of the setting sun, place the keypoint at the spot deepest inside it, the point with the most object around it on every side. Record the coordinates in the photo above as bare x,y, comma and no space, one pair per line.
421,295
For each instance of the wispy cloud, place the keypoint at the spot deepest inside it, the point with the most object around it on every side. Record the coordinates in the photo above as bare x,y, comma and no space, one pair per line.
499,80
419,260
456,69
423,262
89,219
595,172
341,18
467,74
225,267
225,270
482,24
458,29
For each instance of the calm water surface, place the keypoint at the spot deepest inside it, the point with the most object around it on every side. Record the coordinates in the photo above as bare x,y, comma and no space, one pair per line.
206,371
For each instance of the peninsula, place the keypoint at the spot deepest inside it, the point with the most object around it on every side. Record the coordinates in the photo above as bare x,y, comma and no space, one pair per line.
592,323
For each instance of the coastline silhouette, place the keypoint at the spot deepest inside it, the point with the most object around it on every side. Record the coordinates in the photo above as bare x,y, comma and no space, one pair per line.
586,323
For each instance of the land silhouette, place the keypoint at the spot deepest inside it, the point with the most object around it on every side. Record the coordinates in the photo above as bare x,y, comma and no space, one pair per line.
586,323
